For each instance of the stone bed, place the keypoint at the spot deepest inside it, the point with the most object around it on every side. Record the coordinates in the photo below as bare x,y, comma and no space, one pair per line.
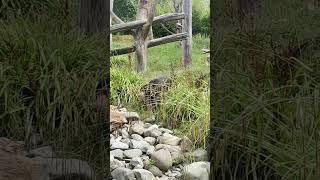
144,150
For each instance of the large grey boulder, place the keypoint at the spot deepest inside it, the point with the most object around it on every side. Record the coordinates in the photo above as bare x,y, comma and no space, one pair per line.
142,174
162,159
196,171
123,174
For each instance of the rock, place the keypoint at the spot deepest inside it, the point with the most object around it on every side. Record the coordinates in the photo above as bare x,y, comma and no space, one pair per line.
123,110
123,174
131,116
164,130
142,145
45,151
124,133
162,178
169,139
162,159
142,174
146,161
115,163
199,155
136,163
171,149
117,153
126,141
131,153
196,171
152,131
155,171
150,140
137,128
186,144
150,119
119,145
151,150
118,138
117,118
112,139
137,137
147,125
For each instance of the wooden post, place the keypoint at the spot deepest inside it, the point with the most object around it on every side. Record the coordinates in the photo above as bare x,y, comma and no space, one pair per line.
187,27
146,10
151,33
177,4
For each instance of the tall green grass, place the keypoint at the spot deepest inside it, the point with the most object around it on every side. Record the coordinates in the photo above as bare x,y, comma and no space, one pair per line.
48,76
263,128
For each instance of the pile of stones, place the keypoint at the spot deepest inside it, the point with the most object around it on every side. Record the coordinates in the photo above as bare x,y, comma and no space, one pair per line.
144,150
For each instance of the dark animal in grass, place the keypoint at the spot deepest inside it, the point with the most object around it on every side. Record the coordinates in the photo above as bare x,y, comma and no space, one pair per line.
152,92
201,80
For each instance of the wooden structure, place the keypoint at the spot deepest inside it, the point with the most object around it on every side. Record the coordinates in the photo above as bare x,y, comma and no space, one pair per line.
140,29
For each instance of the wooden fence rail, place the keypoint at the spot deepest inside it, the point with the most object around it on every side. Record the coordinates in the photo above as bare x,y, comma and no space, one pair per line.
141,27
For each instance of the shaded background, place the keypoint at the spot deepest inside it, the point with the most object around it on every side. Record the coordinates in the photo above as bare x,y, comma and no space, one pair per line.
265,89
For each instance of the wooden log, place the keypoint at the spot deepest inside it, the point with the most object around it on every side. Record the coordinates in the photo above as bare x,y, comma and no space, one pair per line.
121,51
116,18
167,39
139,23
127,26
168,17
177,4
151,43
187,27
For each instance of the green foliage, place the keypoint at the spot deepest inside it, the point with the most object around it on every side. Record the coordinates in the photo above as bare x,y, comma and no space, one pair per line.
125,86
262,128
125,9
187,107
46,76
200,23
